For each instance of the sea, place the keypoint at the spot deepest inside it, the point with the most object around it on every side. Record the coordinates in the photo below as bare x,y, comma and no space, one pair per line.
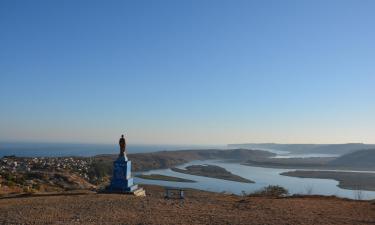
63,149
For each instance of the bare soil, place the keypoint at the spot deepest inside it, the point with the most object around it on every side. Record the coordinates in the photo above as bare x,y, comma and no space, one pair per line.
199,207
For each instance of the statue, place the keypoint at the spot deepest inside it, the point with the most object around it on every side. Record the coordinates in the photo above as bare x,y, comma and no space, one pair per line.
122,180
122,144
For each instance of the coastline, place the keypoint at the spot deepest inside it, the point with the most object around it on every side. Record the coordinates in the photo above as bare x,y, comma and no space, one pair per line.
163,178
347,180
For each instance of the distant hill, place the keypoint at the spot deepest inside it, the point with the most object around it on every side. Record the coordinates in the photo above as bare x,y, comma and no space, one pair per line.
339,149
359,159
168,159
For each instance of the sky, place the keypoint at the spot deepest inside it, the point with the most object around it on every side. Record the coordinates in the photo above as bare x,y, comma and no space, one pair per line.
187,72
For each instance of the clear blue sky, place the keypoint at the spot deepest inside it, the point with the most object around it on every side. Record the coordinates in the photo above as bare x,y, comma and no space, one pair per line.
187,72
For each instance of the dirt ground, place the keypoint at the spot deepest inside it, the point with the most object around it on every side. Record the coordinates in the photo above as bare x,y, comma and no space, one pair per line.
198,208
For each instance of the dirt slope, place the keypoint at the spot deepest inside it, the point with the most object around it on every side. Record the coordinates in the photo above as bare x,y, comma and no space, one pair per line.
198,208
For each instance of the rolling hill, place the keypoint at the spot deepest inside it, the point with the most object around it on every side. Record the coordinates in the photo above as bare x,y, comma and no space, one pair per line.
363,159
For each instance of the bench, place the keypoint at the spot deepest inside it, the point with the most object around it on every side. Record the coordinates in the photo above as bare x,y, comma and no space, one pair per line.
170,190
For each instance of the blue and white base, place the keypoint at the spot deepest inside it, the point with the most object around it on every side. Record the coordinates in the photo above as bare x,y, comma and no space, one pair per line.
122,182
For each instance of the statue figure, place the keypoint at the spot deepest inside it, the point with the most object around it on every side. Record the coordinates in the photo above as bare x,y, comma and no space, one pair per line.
122,144
122,180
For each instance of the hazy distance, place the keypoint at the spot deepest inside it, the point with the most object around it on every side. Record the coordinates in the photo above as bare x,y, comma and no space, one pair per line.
194,72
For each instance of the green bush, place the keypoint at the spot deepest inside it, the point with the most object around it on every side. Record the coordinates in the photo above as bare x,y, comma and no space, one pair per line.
11,183
8,177
100,169
36,186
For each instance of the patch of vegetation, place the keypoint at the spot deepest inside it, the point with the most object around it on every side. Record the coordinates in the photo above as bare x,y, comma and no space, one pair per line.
163,177
99,169
271,191
13,179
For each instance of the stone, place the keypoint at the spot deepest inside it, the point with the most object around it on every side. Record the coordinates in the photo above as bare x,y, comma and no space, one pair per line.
140,192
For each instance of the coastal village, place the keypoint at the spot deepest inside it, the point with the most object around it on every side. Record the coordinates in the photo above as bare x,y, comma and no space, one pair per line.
20,174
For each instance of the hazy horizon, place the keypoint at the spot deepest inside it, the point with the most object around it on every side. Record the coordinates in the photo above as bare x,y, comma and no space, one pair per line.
180,72
53,149
114,143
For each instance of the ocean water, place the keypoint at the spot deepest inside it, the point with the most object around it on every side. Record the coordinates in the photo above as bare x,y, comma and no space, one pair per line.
63,149
59,149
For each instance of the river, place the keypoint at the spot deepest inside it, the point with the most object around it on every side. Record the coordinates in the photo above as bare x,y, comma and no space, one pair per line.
262,177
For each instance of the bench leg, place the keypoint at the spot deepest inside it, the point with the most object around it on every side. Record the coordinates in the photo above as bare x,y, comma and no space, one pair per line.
167,194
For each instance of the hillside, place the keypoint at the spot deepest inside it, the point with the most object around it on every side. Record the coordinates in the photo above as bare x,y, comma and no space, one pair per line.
199,207
338,149
168,159
364,159
291,163
359,160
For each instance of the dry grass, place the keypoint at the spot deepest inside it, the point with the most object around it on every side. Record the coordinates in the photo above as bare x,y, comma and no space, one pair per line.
198,208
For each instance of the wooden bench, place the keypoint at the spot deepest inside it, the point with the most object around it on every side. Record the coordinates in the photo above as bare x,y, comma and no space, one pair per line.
170,190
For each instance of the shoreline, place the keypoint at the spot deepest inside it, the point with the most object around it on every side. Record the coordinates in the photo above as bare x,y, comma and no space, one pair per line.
305,167
163,178
355,181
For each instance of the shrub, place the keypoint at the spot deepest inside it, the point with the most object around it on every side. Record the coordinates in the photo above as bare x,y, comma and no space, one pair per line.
271,191
8,177
11,183
100,169
26,189
36,186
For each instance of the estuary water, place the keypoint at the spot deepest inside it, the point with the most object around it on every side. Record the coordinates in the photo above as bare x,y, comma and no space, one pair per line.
262,177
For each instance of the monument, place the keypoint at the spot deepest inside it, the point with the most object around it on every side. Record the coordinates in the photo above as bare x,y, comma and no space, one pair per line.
121,181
